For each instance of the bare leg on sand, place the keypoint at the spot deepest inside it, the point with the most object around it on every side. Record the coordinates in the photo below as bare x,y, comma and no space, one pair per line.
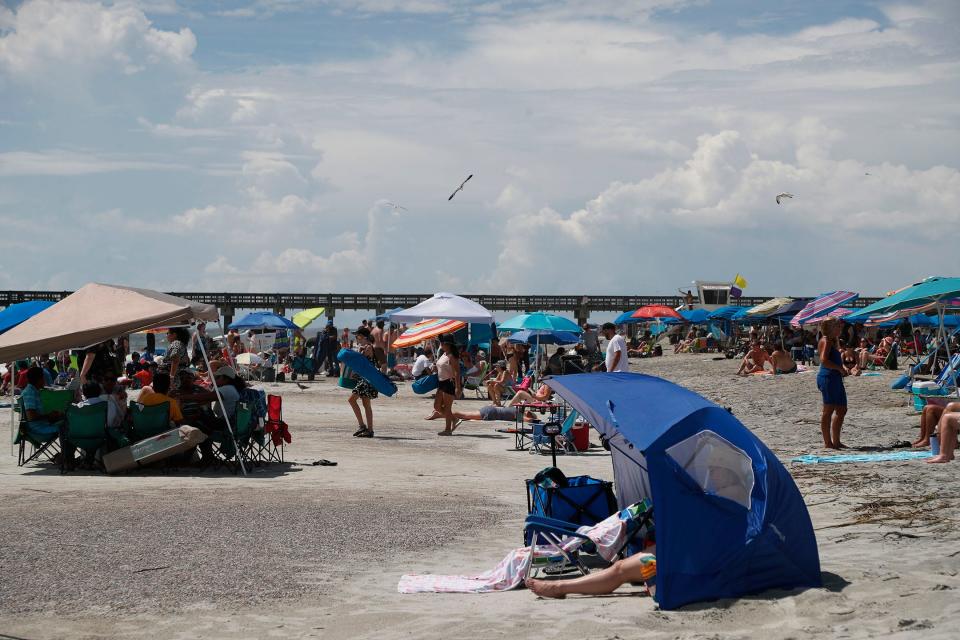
632,569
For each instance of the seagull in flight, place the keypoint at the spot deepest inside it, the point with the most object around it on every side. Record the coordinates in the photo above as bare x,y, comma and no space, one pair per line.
460,188
395,206
783,195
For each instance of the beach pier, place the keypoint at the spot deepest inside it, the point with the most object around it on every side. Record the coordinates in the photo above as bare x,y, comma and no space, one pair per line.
581,307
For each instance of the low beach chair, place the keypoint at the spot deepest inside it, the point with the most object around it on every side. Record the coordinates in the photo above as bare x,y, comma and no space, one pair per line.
628,531
541,442
85,429
149,421
476,383
225,453
43,446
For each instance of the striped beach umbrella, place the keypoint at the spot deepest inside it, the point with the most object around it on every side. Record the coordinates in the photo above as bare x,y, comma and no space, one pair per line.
426,330
839,312
823,305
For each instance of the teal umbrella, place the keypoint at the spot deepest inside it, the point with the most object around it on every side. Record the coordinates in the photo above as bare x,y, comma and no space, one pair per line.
930,291
540,322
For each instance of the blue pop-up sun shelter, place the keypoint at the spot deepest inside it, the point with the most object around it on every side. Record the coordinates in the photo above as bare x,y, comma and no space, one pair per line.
730,520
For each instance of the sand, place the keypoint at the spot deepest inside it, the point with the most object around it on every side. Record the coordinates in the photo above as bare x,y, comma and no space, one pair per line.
308,551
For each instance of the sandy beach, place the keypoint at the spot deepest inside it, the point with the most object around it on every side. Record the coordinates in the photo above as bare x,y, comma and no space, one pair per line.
309,551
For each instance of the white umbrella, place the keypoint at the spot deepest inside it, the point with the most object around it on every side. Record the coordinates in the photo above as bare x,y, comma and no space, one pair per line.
249,359
447,307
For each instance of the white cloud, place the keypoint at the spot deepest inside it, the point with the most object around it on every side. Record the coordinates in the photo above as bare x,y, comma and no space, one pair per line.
724,186
59,162
44,37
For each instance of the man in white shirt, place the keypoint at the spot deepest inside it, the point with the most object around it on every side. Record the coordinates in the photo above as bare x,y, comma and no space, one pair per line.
422,366
616,359
93,394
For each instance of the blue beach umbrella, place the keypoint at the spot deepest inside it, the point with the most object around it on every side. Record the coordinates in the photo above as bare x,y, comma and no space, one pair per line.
262,320
540,322
528,336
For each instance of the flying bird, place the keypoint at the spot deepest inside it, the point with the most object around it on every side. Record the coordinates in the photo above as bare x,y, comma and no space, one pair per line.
395,206
783,195
460,188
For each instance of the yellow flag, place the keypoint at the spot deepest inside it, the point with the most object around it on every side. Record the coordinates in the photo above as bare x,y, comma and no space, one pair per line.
740,282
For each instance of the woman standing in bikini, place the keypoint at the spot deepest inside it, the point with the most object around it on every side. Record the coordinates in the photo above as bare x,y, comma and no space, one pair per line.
830,382
448,372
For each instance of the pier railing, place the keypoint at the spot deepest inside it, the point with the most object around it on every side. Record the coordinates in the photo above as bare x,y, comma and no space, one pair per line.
581,306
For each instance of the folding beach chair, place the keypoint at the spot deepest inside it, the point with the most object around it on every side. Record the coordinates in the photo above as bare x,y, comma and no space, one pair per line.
85,429
275,432
149,421
43,446
224,452
475,383
541,442
628,531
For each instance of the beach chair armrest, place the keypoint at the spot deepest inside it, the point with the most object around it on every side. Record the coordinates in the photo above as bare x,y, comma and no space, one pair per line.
551,525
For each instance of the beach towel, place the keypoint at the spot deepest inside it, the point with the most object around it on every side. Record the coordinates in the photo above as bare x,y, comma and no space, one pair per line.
864,457
608,537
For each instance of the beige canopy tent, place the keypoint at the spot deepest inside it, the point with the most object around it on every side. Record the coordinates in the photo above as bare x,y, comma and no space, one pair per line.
95,313
98,312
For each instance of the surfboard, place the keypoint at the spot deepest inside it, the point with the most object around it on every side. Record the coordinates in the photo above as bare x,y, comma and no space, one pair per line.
363,368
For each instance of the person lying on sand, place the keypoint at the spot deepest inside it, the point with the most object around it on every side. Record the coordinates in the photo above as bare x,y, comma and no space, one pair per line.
640,567
781,362
491,413
754,360
947,428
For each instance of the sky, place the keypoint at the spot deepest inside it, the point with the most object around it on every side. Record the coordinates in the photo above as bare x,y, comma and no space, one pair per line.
616,147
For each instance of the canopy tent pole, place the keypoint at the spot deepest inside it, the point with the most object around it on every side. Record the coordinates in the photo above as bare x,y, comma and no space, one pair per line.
216,390
941,313
13,399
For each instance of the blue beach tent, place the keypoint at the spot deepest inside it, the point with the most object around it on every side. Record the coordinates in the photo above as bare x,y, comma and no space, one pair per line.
730,520
21,312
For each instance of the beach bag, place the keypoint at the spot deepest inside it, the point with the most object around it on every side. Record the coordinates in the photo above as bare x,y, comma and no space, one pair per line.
426,384
348,380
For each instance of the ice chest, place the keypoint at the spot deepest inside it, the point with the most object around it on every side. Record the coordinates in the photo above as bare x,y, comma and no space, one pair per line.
159,447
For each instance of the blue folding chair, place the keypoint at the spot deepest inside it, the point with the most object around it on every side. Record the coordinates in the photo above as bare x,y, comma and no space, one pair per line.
568,541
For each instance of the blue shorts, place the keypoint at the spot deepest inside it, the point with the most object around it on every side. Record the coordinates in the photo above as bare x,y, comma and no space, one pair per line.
832,390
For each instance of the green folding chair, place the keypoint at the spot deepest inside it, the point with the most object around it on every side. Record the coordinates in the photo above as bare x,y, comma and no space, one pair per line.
86,430
149,421
42,446
224,452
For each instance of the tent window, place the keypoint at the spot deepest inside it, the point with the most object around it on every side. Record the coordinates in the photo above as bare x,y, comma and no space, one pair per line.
718,467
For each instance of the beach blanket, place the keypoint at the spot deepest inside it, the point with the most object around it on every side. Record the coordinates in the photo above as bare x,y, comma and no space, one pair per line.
864,457
608,536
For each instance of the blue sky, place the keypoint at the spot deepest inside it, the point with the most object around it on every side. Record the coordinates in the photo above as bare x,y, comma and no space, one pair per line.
617,147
